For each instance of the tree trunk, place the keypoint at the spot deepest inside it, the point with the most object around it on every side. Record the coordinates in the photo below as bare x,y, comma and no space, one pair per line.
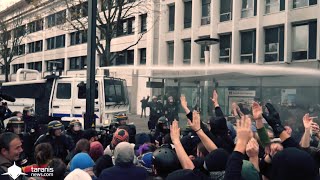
107,56
7,71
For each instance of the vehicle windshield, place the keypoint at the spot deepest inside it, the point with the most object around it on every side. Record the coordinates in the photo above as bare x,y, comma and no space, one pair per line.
115,91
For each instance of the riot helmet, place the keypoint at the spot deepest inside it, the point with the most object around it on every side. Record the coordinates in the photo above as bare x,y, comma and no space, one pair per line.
28,111
165,161
55,128
75,125
121,118
163,124
15,125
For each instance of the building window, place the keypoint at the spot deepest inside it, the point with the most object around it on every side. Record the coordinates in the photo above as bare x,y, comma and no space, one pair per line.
143,56
78,37
19,50
6,36
170,52
78,62
59,63
19,31
56,42
2,69
60,41
248,8
143,27
274,44
56,19
225,10
225,48
205,15
35,26
273,6
304,38
16,67
248,47
125,58
171,17
79,11
35,65
126,27
106,4
303,3
186,51
187,14
35,46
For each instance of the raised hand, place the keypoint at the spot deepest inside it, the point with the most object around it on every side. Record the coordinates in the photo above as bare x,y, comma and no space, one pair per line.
175,132
252,149
256,111
215,97
195,124
183,101
273,120
244,133
274,148
307,121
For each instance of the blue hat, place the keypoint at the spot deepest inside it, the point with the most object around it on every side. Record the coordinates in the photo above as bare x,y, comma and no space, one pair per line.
146,160
81,161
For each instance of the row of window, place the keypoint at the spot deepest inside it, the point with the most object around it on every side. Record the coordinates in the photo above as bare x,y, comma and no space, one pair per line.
248,9
79,37
304,45
78,63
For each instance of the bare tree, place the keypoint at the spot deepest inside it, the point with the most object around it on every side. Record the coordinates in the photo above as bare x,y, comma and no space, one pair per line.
111,17
10,41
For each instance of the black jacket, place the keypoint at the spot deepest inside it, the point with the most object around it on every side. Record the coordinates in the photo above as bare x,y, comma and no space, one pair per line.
234,166
171,111
144,102
156,109
60,145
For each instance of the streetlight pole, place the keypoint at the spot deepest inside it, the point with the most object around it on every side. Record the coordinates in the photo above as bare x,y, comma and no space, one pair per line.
89,120
207,42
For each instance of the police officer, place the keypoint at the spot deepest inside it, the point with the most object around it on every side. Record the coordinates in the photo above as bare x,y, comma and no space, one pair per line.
61,144
29,119
122,120
171,110
162,128
5,113
156,111
16,125
75,130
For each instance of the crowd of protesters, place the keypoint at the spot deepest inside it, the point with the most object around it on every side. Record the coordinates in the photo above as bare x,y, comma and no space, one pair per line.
258,145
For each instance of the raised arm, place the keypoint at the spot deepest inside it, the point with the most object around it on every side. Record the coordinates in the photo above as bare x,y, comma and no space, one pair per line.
274,121
184,104
257,116
196,127
234,165
307,123
185,161
252,150
216,105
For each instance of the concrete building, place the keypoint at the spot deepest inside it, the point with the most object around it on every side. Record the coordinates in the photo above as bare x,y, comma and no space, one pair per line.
269,32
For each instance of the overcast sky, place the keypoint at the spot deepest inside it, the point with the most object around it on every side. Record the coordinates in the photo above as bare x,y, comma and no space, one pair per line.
5,3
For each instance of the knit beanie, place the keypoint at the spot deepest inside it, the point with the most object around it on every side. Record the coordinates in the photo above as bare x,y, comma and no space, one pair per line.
81,161
119,136
77,174
96,150
124,154
216,160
